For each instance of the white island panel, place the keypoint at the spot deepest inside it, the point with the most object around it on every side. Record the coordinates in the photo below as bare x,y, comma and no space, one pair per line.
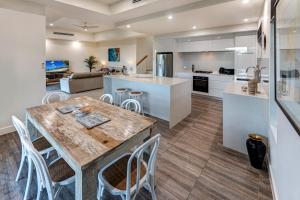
243,114
165,98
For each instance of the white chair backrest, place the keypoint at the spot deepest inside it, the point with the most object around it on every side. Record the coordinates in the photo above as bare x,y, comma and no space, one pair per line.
108,97
152,145
129,102
54,96
21,128
40,165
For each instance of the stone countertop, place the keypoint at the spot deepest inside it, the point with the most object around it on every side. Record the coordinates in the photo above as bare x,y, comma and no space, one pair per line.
214,73
145,78
235,88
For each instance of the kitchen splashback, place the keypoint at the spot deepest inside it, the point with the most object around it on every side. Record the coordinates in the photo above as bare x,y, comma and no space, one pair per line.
208,60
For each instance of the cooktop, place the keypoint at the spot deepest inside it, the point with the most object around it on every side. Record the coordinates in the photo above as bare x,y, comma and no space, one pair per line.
203,72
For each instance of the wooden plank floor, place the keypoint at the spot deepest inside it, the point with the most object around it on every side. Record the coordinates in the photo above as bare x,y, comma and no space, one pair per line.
191,165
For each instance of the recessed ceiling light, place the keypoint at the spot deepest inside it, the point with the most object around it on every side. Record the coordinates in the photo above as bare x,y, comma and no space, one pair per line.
76,44
85,29
194,27
51,24
246,20
170,17
128,26
294,31
245,1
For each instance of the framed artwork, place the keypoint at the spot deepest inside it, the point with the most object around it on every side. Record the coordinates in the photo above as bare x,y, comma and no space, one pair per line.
114,54
287,60
260,36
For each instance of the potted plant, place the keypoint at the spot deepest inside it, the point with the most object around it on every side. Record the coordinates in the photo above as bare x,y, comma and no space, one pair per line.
91,62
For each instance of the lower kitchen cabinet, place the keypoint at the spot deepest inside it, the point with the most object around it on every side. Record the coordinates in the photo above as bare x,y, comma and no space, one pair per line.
216,82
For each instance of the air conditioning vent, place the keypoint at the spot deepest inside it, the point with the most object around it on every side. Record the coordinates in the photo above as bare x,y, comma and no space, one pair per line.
136,1
61,33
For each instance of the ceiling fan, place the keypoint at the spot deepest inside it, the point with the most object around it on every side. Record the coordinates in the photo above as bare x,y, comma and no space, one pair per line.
85,26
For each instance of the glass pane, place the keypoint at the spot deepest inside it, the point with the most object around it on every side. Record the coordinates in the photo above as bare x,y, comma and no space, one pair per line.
288,58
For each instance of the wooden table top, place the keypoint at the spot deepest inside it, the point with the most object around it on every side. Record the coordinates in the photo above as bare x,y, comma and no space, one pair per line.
86,145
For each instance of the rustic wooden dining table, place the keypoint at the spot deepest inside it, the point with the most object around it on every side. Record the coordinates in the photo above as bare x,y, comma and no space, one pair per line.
88,150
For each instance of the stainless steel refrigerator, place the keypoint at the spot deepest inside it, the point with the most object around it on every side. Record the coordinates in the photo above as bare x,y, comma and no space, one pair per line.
164,64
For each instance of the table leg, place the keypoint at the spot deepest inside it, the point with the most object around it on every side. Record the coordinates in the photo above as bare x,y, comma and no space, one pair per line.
33,132
86,183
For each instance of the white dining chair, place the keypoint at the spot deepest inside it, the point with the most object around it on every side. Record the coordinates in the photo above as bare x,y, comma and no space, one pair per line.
41,144
129,103
52,178
126,175
54,96
51,97
106,97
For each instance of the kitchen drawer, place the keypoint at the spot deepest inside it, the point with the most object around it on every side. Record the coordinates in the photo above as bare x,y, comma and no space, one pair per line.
221,78
218,84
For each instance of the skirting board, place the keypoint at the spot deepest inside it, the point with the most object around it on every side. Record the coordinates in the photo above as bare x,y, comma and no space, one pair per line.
273,184
6,130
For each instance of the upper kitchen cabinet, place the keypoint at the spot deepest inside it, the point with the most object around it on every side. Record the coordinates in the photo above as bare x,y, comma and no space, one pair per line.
248,41
221,44
193,46
204,45
245,53
164,44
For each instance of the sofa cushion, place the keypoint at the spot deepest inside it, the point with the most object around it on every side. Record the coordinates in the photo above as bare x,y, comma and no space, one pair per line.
86,75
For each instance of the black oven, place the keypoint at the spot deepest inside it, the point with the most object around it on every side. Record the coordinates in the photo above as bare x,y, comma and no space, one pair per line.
200,84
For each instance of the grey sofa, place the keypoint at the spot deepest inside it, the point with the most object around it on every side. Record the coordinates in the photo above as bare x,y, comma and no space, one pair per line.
79,82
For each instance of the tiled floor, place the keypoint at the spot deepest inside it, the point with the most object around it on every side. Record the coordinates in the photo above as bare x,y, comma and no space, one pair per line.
192,163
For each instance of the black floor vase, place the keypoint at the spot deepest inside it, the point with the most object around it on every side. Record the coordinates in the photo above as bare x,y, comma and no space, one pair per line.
256,150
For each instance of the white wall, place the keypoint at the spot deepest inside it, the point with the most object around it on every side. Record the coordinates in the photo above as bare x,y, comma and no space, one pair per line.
207,60
284,159
127,54
22,52
131,51
73,51
284,142
144,47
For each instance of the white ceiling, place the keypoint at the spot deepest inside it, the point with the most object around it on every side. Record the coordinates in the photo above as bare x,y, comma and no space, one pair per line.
109,2
225,14
149,16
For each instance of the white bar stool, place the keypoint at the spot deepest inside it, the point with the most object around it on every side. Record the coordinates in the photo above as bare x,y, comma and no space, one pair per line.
137,95
119,95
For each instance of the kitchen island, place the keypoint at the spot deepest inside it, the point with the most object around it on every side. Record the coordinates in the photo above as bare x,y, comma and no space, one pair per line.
165,98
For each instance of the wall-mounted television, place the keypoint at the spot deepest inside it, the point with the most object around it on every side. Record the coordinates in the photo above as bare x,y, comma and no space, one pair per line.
57,65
